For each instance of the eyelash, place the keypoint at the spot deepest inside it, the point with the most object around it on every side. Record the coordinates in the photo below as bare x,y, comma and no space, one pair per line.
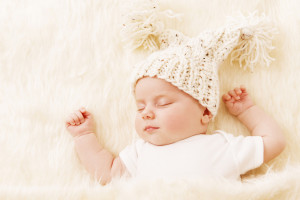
140,109
164,104
157,105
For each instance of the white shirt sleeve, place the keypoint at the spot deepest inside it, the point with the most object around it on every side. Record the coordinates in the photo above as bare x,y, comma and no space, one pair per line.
248,151
129,156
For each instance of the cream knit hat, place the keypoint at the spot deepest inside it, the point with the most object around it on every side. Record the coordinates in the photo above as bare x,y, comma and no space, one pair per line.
191,64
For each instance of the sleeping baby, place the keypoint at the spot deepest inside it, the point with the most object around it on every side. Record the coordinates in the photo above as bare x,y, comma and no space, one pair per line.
176,90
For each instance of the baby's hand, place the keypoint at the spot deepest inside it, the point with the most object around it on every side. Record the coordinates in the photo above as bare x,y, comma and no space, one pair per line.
237,100
80,122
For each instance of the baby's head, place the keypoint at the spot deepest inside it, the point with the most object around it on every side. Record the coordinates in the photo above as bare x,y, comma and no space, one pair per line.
177,93
166,114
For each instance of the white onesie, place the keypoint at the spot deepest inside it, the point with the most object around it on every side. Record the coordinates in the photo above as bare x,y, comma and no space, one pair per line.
200,156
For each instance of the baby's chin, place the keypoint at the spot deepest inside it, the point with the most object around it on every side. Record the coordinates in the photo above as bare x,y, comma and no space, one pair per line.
160,141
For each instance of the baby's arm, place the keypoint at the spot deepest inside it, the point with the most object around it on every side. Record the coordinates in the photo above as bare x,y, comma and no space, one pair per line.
99,162
239,104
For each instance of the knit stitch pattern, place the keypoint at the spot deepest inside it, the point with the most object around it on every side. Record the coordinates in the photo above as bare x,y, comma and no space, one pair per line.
191,64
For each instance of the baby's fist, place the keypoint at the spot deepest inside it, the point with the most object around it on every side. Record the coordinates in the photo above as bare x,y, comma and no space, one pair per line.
81,122
237,100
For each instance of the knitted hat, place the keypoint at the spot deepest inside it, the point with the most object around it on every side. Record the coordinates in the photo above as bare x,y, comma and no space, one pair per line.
191,64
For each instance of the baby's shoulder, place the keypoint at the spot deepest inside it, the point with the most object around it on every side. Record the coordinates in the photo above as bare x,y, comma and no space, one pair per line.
237,140
223,135
227,137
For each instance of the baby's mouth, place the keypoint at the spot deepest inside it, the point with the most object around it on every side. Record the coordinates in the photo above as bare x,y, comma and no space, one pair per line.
150,129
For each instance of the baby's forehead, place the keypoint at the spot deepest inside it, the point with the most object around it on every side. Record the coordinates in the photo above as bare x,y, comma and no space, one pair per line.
147,83
154,84
149,87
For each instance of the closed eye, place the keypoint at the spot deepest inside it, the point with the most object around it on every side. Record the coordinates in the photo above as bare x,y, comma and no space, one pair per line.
164,104
140,109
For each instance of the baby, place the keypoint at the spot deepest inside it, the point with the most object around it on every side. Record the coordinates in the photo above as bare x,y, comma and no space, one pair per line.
177,95
168,120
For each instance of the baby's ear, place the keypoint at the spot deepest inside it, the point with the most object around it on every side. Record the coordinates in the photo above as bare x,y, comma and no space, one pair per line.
207,116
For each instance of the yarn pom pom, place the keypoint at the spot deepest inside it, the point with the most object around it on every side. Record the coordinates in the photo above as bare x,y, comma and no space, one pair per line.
143,24
255,42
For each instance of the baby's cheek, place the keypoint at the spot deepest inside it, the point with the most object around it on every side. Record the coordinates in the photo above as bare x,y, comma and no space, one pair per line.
175,122
138,125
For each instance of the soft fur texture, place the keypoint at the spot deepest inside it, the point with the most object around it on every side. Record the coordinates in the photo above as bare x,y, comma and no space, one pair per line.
56,56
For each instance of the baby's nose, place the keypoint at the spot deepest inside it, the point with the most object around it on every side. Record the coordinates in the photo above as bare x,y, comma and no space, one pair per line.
148,114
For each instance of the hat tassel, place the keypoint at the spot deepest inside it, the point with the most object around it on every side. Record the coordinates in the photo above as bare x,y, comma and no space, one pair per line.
255,44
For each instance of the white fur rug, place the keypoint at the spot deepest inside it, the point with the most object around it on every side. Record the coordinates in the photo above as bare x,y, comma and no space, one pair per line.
58,55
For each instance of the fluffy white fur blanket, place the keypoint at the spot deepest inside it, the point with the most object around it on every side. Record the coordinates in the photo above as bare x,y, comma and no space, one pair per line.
57,55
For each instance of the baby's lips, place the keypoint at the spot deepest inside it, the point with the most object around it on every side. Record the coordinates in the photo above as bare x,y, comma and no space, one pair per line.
150,128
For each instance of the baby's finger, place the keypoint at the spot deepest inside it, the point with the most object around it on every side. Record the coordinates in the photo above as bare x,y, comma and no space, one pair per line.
226,97
70,120
243,88
80,118
85,113
82,109
75,119
233,94
238,91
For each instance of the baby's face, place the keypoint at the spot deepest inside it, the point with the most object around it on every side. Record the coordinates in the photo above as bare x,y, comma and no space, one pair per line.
166,114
